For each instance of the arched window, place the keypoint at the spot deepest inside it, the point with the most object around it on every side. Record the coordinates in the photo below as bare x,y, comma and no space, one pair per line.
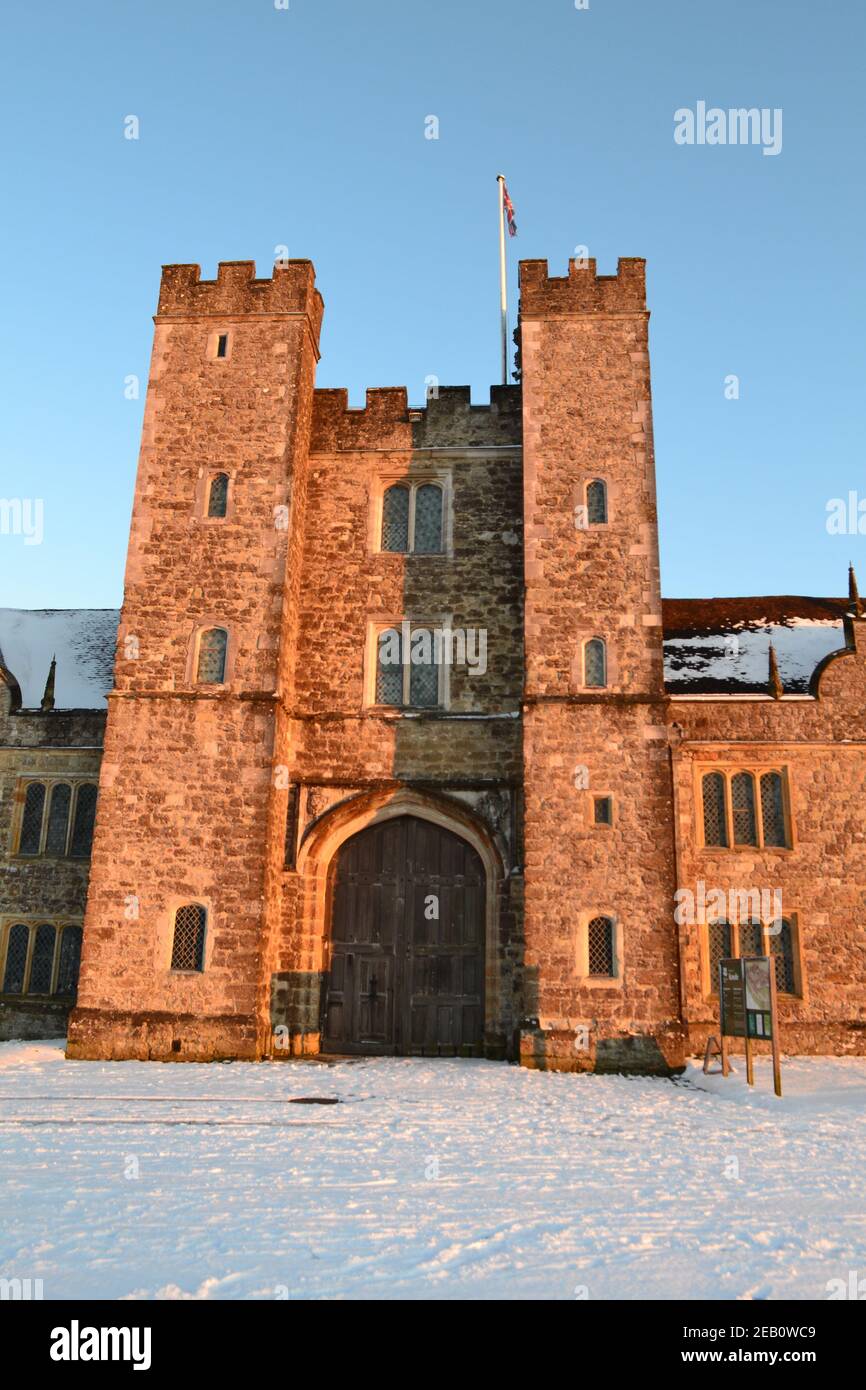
395,518
596,502
427,530
782,952
211,665
17,943
58,819
30,840
751,938
42,963
600,947
595,663
715,826
720,947
187,951
82,826
218,495
743,808
773,810
70,959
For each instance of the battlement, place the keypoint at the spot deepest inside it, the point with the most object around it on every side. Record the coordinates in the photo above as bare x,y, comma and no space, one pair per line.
447,420
236,290
582,291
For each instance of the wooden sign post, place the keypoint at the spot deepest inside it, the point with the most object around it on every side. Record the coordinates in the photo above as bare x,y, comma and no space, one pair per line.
747,1009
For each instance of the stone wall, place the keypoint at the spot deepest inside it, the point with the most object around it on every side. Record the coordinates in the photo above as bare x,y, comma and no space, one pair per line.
820,742
55,744
189,806
587,415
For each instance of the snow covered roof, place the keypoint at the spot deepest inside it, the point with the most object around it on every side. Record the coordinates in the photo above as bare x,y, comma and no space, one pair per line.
82,639
711,646
721,645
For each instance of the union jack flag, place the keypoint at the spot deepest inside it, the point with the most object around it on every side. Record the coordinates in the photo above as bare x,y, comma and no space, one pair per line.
509,211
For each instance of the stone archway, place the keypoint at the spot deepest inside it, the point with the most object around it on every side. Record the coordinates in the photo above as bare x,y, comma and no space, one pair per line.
405,950
318,866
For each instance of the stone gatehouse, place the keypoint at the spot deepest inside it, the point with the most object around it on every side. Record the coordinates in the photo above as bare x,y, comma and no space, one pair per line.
404,750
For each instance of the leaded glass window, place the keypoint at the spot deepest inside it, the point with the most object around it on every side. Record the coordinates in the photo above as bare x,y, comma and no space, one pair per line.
58,819
596,502
82,827
743,808
218,497
423,679
389,668
600,947
595,663
42,963
395,519
413,518
17,943
751,939
773,810
31,821
721,947
782,951
212,656
70,959
408,665
428,520
715,827
187,951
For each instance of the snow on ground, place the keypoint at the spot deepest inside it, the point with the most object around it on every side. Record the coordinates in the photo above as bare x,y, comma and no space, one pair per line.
432,1179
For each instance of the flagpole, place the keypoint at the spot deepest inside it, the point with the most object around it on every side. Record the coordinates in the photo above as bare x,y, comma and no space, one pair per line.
503,291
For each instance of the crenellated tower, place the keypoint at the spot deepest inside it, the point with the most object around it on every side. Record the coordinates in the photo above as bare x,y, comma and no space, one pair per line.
192,803
601,961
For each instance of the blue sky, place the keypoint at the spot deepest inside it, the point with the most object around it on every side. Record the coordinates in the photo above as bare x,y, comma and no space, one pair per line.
305,127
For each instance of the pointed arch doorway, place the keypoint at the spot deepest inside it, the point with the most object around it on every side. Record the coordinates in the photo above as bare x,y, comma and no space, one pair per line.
405,966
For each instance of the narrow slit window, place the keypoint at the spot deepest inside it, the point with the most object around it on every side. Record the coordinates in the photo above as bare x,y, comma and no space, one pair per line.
58,819
720,947
773,811
751,939
743,808
187,952
423,670
395,519
81,843
715,826
70,960
218,495
17,944
428,520
222,345
211,666
595,664
42,964
600,947
30,841
603,810
596,502
389,668
782,952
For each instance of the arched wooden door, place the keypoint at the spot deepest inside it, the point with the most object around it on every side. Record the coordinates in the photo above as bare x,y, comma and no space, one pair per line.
406,966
